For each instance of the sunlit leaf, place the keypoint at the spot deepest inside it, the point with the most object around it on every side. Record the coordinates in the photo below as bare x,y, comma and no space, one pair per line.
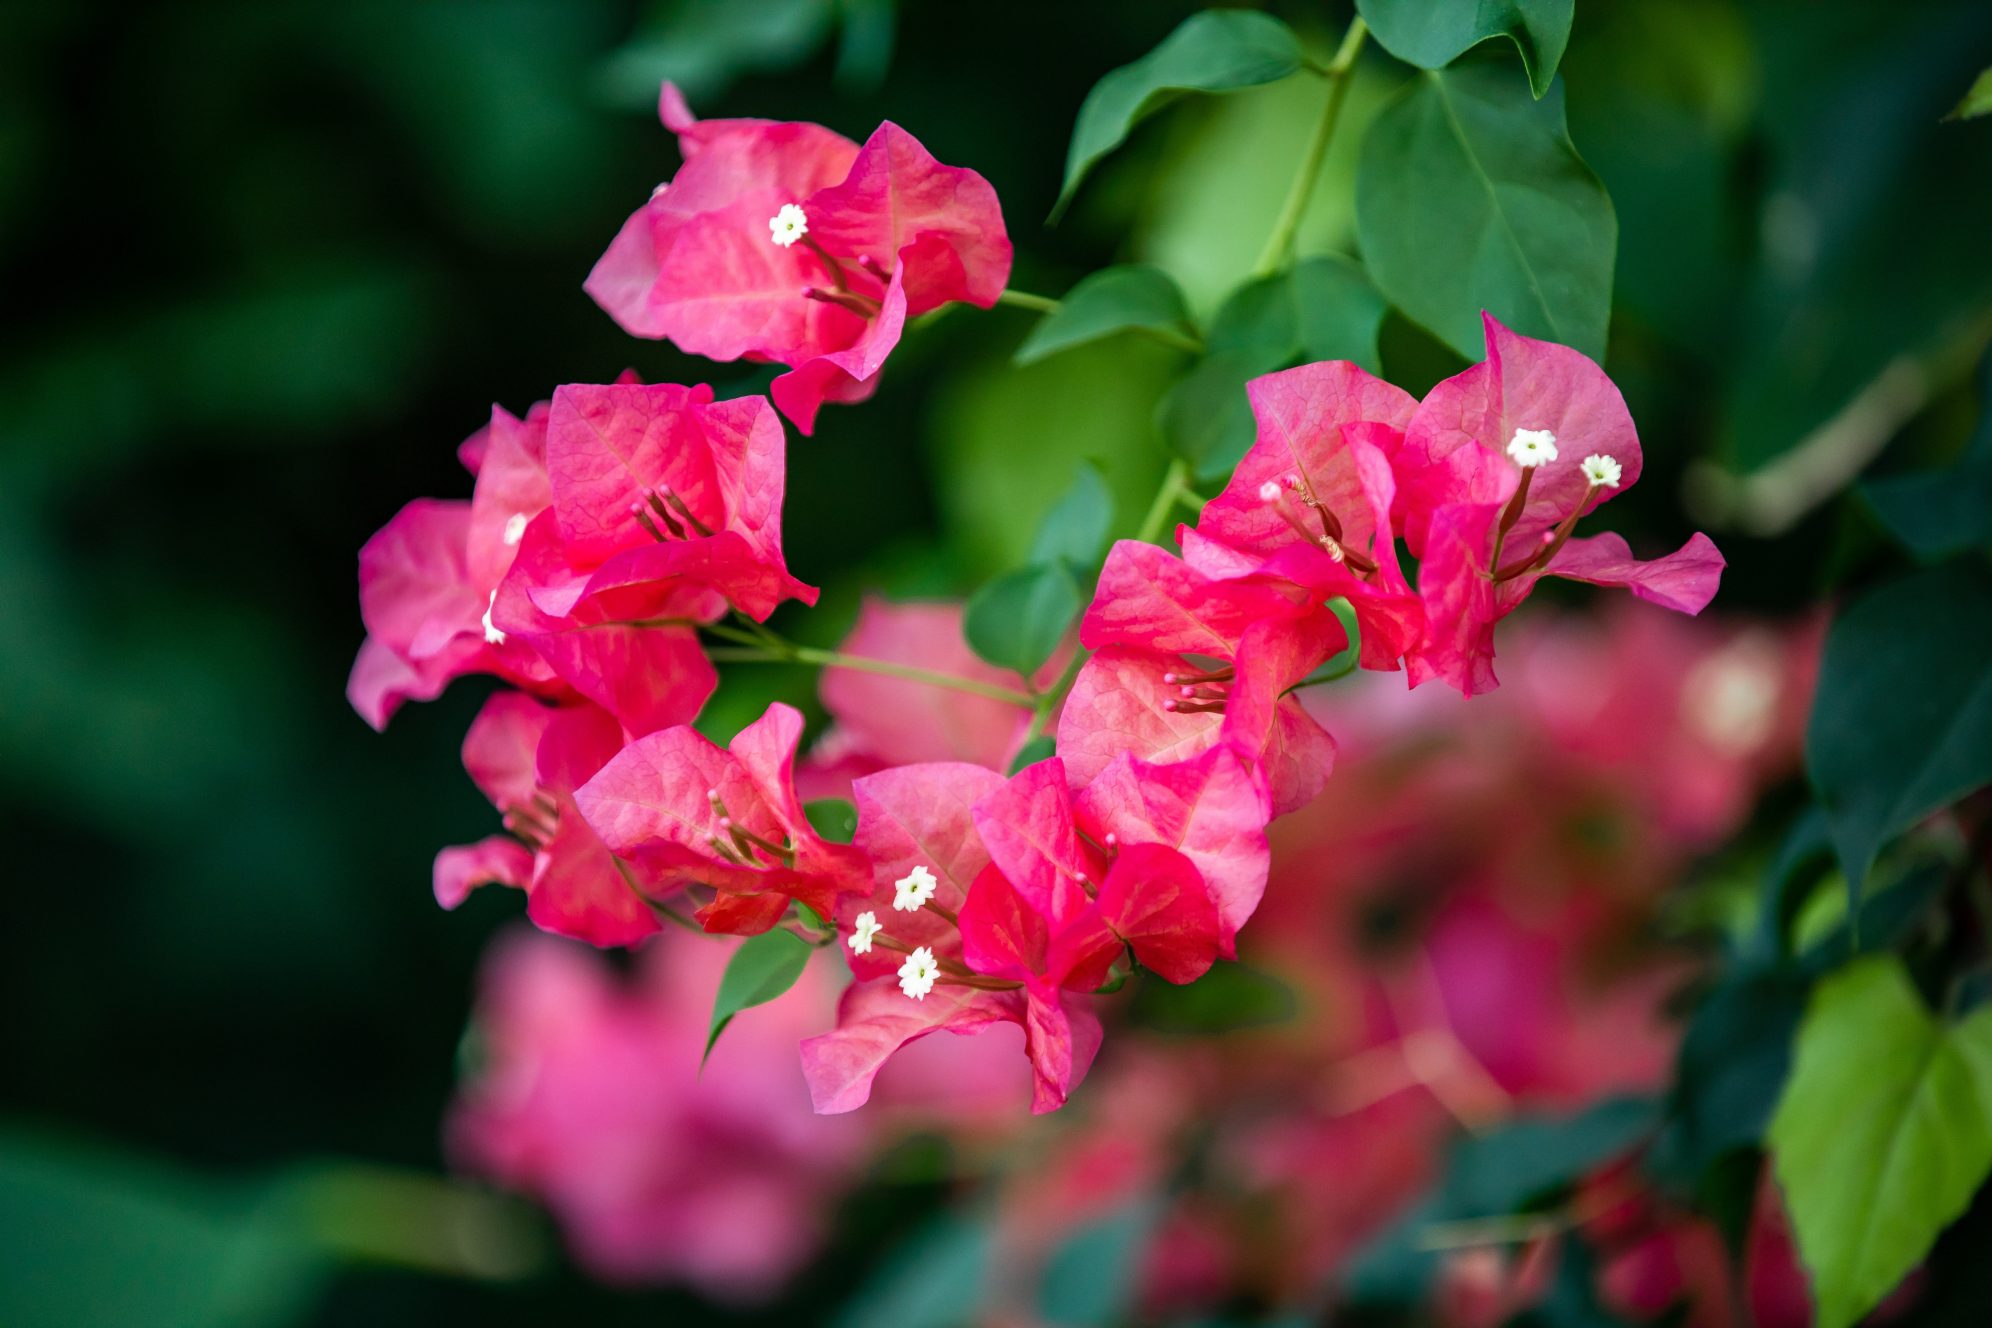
1883,1133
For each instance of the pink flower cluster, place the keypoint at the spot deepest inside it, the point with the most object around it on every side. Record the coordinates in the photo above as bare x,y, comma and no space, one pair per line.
612,524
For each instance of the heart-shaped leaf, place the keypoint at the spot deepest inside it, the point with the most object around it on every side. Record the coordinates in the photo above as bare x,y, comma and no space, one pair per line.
1469,196
1433,33
1103,303
762,968
1218,50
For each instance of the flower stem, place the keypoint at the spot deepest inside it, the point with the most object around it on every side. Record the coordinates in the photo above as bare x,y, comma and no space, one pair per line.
1173,481
837,659
1017,299
1273,256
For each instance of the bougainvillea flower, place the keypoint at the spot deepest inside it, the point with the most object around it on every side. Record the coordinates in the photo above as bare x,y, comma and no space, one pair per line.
429,577
1185,661
726,817
787,243
1311,499
1010,915
589,1094
880,721
1497,466
1212,808
527,758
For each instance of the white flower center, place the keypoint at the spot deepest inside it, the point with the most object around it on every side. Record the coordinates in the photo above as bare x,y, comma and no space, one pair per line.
919,973
1603,471
492,634
1269,492
866,928
788,225
515,528
1532,447
914,889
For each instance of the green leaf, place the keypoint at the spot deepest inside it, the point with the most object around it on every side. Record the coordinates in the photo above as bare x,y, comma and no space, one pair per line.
1104,302
1977,100
1075,531
1323,308
1017,620
1218,50
1433,33
1206,417
1504,1171
1469,196
1902,721
936,1279
833,818
762,968
1883,1134
1939,513
1230,997
1092,1277
1040,748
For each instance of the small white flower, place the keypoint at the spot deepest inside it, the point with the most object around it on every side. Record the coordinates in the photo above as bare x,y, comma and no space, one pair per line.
867,927
1603,470
1532,447
919,973
914,889
788,225
658,192
1269,492
515,528
492,634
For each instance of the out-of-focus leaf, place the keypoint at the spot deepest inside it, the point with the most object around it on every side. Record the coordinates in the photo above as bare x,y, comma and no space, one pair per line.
1075,531
1944,512
1501,1174
1868,272
1469,197
1206,418
864,48
1323,308
98,1242
1883,1134
1902,722
762,968
1433,33
937,1279
833,818
1732,1066
1092,1277
1017,620
1977,99
1104,302
704,45
1218,50
1041,748
1231,996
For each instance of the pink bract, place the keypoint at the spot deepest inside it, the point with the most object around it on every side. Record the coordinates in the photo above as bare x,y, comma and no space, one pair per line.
892,234
527,758
689,811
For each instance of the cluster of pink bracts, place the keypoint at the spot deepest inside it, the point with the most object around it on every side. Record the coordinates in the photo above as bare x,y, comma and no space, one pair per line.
609,525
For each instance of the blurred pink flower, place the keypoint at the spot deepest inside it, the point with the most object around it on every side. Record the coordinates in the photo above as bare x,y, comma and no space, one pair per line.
586,1092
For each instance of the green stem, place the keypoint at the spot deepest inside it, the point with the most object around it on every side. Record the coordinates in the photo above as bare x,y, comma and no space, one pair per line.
1173,481
837,659
1017,299
1273,256
1044,304
1048,700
